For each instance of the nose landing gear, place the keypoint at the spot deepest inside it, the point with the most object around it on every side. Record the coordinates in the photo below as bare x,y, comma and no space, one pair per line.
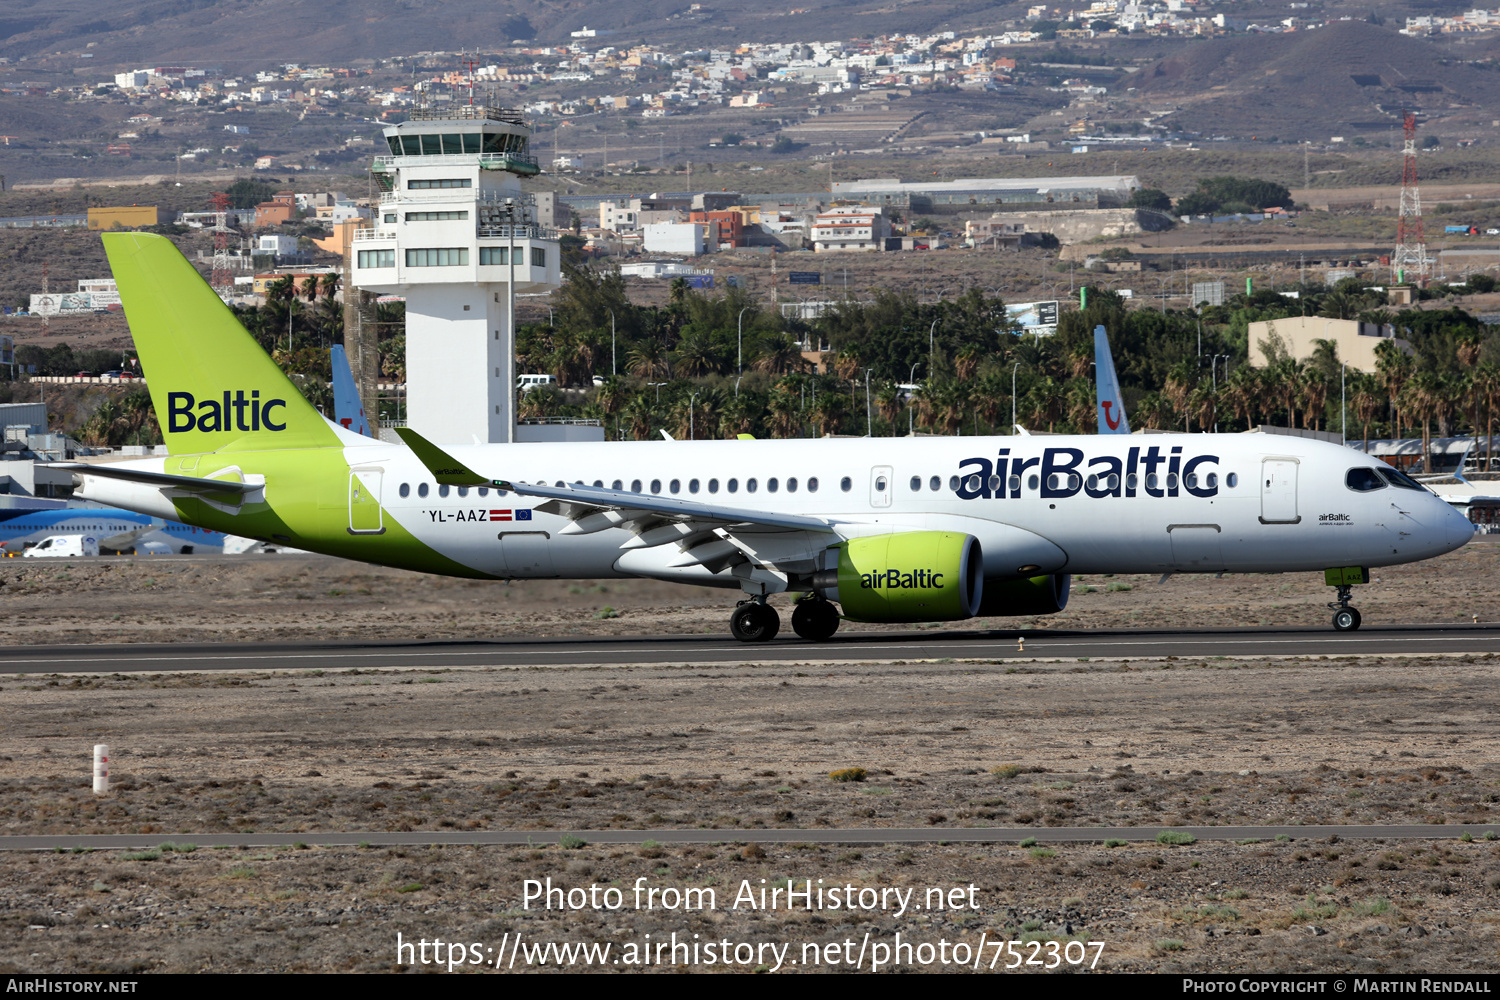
754,621
1345,618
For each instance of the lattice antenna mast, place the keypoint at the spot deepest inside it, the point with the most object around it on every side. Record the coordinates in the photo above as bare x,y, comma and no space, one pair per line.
1410,257
221,280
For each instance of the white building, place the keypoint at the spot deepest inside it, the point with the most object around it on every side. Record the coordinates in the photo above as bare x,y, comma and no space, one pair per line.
675,237
850,228
452,231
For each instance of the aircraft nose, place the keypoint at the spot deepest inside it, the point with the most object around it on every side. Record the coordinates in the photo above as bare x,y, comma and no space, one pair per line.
1460,529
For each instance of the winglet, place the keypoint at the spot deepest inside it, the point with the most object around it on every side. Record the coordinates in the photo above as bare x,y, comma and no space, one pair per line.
446,469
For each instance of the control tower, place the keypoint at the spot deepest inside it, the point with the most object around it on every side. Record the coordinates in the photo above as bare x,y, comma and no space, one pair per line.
456,236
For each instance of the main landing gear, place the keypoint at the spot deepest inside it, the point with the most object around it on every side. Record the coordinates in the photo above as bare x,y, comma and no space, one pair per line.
754,621
815,619
1345,618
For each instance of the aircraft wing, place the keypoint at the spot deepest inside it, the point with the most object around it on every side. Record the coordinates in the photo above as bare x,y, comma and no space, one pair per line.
714,536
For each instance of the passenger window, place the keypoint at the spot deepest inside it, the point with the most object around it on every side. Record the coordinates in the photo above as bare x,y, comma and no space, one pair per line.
405,490
1015,485
1190,480
443,489
615,485
713,486
1132,481
1213,480
953,483
1232,480
656,486
812,484
935,484
692,486
916,484
846,484
421,489
733,486
1093,482
791,484
559,484
880,484
598,484
1364,480
676,486
1114,481
1171,480
1033,481
1152,481
750,485
484,491
771,485
635,486
994,483
463,491
973,484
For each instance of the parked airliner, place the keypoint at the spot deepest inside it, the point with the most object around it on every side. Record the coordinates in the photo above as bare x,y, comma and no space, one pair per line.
883,529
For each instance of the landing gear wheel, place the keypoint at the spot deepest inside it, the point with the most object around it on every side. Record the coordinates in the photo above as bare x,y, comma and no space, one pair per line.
1346,619
754,622
815,620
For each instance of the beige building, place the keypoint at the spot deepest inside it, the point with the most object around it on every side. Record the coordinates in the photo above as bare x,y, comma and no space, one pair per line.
1298,336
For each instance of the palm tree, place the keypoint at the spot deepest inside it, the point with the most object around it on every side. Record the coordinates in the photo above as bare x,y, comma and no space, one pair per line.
1083,411
640,412
1487,381
1242,392
1366,400
648,360
1204,403
1394,366
966,362
1179,385
1422,397
1314,396
829,412
697,355
779,354
785,417
1154,411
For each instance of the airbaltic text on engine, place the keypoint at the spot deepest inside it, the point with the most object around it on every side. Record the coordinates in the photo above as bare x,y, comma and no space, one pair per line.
1058,465
894,579
229,415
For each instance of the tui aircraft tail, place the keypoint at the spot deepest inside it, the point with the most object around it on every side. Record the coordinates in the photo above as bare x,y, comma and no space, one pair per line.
213,386
1111,405
348,411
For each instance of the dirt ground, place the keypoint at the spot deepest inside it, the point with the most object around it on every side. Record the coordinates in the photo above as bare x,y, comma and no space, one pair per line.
1154,743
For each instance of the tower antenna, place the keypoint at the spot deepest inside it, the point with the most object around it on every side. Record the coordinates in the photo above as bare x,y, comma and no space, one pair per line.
1411,251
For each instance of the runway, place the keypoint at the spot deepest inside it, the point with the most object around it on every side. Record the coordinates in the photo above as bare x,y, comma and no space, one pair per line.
997,646
822,835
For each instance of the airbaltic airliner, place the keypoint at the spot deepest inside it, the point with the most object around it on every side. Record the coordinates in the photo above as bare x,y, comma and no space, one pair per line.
882,530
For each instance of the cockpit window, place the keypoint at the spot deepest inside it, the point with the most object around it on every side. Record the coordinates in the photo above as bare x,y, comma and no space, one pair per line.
1398,478
1363,480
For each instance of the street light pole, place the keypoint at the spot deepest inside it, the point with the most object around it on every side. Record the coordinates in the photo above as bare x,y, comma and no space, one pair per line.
613,366
869,417
1013,396
692,406
739,365
510,322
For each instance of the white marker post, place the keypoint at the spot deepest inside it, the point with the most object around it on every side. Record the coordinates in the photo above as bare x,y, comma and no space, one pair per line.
101,769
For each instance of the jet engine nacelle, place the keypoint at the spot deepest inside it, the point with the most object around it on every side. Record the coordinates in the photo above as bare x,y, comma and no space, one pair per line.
1037,595
910,576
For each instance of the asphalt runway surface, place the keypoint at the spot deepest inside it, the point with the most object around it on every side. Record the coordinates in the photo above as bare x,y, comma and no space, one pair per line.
1022,645
823,835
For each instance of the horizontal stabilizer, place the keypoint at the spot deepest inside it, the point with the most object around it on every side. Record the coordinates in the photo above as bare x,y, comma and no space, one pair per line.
188,484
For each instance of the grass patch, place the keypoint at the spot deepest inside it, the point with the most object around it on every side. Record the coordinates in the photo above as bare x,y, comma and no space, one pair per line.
1373,907
606,613
412,887
243,871
1209,912
1169,944
1248,841
1006,771
568,842
1115,842
1029,842
169,848
1115,588
142,856
848,774
1236,894
1043,853
1176,838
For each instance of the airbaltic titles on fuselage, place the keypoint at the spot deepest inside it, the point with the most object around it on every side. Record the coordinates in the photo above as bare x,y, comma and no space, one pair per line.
1066,472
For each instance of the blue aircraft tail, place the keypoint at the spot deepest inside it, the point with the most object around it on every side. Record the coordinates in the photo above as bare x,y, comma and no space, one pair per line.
347,410
1111,404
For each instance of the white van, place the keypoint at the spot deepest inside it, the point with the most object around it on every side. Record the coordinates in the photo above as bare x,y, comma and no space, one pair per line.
64,545
528,382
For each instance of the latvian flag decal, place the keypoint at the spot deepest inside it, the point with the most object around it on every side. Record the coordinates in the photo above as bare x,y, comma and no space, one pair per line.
511,515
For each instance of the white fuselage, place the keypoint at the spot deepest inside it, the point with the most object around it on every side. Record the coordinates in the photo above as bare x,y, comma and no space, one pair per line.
1274,504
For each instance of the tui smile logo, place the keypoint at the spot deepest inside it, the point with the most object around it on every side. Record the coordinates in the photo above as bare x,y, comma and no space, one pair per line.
234,412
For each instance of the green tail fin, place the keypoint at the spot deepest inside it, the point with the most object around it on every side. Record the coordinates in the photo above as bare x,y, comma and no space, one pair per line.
213,386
